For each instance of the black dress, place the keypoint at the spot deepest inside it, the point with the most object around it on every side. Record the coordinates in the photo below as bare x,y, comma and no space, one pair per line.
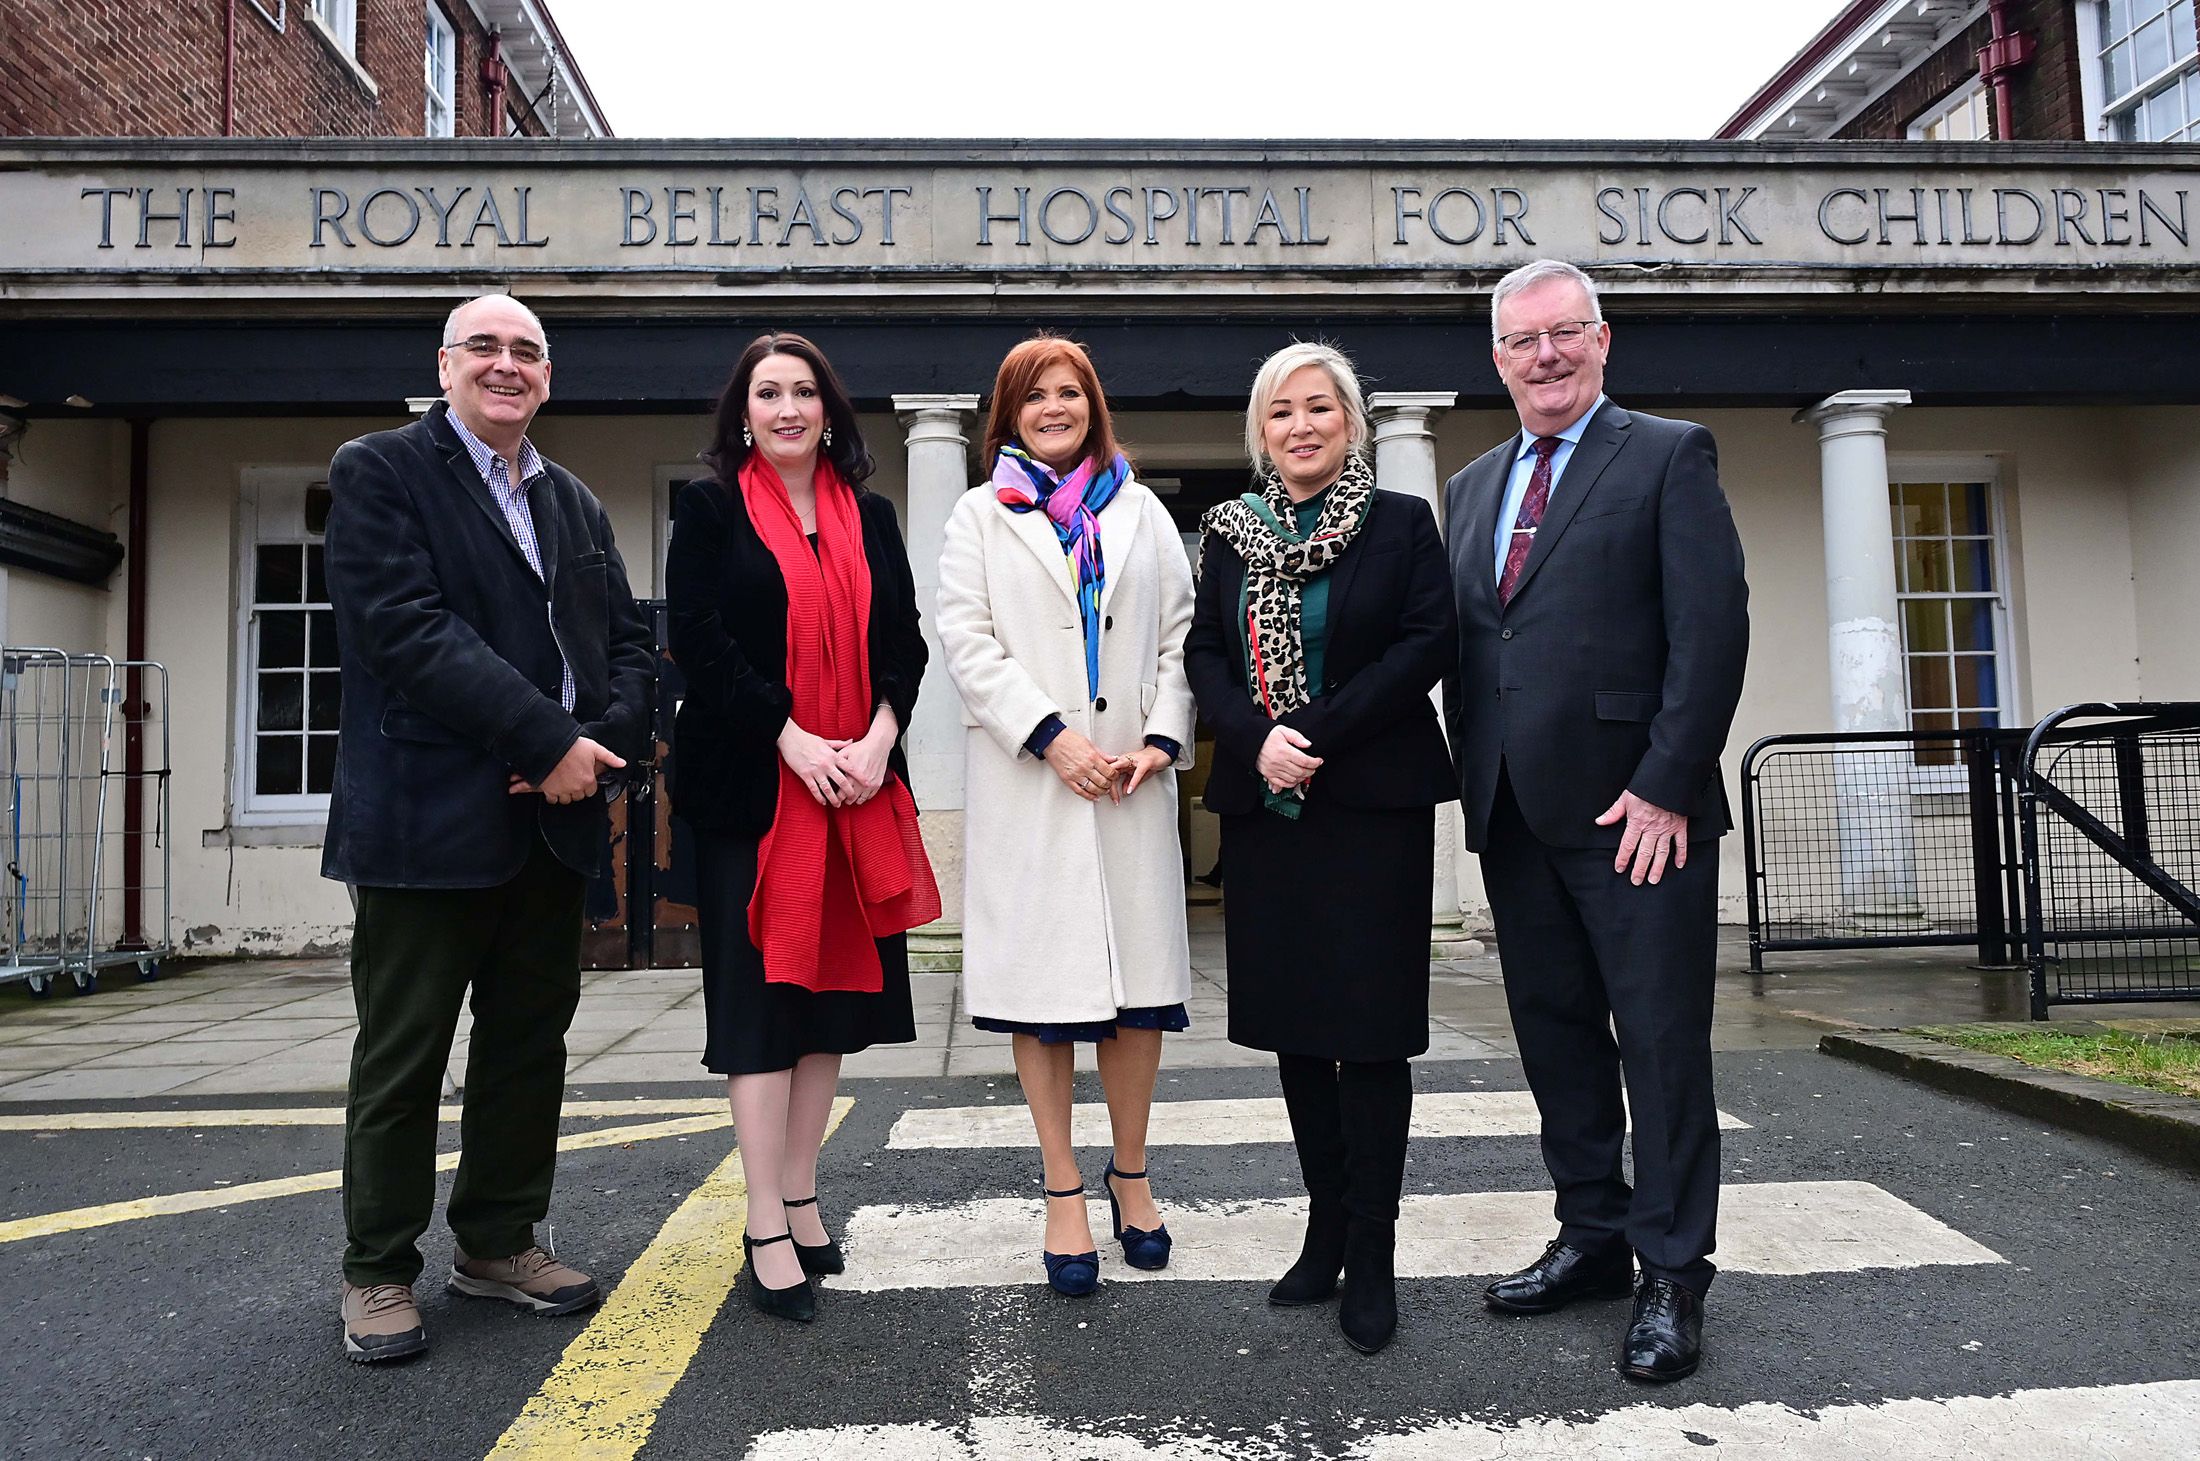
1326,917
729,618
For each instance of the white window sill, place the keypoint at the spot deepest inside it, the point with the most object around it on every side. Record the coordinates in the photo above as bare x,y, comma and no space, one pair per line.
286,834
335,46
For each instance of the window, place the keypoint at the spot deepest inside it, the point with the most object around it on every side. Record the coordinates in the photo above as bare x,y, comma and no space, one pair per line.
340,19
1948,578
2151,74
288,681
1961,116
442,118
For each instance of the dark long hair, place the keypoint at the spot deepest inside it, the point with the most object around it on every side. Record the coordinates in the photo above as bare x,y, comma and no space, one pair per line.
726,453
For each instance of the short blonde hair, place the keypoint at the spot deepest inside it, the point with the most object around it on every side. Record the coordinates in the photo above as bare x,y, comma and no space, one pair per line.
1277,368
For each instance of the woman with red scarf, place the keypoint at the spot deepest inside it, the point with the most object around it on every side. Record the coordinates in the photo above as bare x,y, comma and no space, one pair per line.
794,620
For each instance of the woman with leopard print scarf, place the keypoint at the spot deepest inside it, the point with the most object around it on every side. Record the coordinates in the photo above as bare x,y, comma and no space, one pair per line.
1323,618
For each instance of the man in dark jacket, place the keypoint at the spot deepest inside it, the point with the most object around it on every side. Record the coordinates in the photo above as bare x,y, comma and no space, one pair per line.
494,668
1603,626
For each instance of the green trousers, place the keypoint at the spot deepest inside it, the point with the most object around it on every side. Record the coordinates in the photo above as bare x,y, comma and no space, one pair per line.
414,954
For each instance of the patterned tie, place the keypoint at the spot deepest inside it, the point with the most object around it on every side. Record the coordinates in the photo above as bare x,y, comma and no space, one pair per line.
1532,503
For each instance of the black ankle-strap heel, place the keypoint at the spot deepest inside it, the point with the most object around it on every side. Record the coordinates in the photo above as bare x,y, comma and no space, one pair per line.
797,1302
817,1258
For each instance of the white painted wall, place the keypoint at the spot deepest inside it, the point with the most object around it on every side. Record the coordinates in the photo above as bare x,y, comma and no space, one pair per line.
2165,542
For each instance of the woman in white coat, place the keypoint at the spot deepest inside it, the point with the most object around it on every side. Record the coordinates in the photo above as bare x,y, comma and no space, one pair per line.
1064,598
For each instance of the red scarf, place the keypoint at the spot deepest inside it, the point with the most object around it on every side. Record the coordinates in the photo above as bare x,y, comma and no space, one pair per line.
868,860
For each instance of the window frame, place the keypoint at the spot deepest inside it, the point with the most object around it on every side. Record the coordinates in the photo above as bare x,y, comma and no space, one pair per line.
442,46
2116,110
340,23
270,511
1969,94
1926,469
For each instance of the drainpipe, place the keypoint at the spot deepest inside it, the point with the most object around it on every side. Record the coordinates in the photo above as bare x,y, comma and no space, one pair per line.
229,69
134,709
2009,51
494,77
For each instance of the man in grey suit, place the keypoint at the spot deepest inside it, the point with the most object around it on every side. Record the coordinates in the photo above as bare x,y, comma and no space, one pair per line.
1603,626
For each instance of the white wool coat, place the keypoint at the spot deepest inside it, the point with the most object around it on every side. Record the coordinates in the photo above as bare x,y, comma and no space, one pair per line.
1071,909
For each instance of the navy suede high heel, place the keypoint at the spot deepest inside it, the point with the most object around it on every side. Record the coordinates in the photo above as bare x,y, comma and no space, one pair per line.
1141,1249
1072,1275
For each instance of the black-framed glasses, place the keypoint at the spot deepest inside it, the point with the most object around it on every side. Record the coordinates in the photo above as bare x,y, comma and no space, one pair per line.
488,347
1566,335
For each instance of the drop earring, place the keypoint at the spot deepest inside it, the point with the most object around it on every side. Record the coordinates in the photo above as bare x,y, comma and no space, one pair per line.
746,439
828,438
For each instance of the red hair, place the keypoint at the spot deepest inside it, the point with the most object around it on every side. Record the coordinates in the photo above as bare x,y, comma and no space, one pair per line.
1020,372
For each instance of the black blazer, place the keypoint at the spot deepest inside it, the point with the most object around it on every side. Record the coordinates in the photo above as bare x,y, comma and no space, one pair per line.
1392,636
450,664
1618,664
728,602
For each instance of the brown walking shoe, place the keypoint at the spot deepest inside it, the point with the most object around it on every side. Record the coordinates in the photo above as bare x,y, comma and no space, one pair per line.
534,1280
381,1322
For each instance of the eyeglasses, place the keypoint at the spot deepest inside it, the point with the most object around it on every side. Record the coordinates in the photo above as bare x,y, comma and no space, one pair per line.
1566,335
486,347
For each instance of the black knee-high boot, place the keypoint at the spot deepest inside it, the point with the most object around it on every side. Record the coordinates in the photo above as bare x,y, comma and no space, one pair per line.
1375,1104
1310,1096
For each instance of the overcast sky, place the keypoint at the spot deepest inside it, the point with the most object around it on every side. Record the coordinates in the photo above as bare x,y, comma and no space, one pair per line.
1373,69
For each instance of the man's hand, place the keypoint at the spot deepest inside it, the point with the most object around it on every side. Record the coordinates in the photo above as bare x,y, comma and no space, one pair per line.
1284,762
574,777
1137,766
1080,765
1653,836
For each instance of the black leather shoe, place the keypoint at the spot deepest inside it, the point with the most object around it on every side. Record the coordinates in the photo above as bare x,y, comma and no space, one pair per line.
797,1302
816,1258
1562,1275
1665,1340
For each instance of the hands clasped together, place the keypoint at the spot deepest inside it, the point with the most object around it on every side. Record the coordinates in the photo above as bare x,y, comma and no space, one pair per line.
840,773
1090,773
1286,759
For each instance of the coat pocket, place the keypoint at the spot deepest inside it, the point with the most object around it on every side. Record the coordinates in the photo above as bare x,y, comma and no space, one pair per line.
1612,508
1147,695
402,723
1636,705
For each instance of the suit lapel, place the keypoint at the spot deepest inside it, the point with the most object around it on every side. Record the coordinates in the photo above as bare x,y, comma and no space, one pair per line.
1486,495
1037,531
472,487
1119,522
1600,443
1348,567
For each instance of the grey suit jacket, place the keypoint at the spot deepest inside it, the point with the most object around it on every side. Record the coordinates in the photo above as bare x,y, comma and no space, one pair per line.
1618,663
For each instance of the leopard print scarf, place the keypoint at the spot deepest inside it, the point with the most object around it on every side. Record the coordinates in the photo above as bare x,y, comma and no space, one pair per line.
1278,563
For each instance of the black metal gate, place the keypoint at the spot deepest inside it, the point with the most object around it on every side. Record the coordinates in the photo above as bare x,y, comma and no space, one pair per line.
641,913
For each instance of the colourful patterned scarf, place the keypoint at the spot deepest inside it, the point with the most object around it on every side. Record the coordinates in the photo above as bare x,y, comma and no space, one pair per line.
1073,504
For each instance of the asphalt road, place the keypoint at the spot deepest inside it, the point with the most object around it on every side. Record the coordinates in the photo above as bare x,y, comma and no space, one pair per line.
213,1333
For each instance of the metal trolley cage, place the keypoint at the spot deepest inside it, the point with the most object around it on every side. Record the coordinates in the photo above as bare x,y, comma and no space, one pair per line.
2110,818
84,744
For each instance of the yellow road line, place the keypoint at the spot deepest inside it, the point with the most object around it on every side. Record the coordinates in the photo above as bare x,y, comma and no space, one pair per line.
602,1399
107,1213
314,1115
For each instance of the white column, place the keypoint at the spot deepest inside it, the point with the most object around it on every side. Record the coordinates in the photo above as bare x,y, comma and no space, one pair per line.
939,473
1405,461
1864,629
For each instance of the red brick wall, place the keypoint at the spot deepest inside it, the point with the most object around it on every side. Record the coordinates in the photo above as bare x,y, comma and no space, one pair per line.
125,68
2044,96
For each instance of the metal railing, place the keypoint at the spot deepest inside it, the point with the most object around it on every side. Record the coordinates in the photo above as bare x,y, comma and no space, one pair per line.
1882,839
2110,819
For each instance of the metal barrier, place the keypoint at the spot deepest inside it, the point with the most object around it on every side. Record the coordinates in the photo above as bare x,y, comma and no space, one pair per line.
1882,839
2110,818
80,893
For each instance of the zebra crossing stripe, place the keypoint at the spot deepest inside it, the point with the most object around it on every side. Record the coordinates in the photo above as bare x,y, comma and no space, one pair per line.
1214,1123
2158,1419
1764,1227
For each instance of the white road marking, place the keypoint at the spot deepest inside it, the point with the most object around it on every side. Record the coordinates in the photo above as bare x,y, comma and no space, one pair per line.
1765,1227
2076,1424
1215,1123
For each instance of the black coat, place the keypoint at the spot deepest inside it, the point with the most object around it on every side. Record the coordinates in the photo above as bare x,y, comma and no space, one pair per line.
1392,637
450,667
1618,663
728,602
